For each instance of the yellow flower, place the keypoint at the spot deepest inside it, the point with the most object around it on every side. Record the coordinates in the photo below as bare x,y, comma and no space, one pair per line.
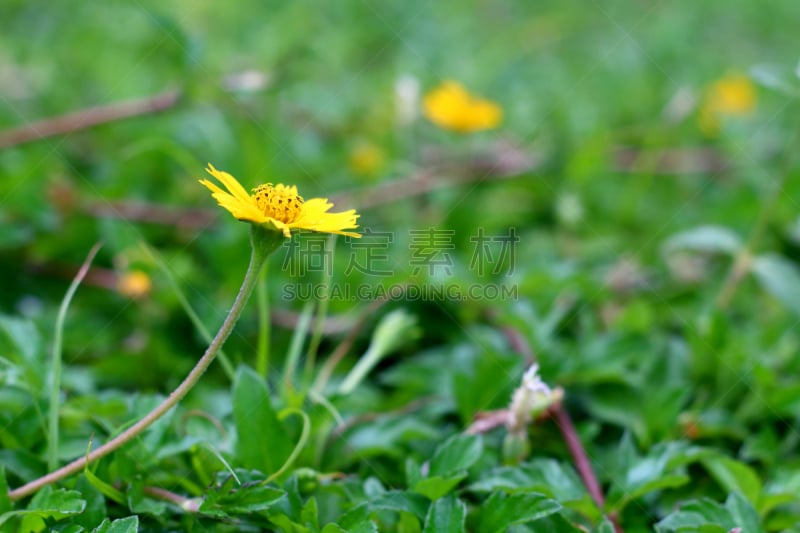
366,159
280,206
134,284
733,95
450,106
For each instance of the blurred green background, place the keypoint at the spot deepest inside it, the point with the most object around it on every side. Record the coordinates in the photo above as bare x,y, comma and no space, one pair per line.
602,157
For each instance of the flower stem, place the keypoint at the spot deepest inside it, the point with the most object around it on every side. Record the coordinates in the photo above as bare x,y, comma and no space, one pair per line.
262,246
262,297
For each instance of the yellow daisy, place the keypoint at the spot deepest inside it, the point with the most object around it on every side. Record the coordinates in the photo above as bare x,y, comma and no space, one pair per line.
731,96
280,206
450,106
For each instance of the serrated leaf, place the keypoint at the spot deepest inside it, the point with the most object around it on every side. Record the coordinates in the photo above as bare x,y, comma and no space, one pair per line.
501,511
696,515
447,515
59,502
229,498
262,441
129,524
743,513
357,520
713,239
780,277
709,516
545,476
457,453
47,504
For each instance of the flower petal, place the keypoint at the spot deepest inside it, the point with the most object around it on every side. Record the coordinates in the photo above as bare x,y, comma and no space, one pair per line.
316,218
243,210
230,183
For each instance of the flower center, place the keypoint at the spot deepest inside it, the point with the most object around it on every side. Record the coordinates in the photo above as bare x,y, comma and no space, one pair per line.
279,202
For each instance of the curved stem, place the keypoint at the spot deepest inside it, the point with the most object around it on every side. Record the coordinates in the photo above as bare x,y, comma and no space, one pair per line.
300,443
257,258
55,380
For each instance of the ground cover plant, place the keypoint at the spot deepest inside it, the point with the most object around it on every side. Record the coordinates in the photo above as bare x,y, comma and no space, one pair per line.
513,266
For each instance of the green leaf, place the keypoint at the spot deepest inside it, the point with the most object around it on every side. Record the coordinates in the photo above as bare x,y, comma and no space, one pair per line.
437,486
734,476
285,523
413,472
310,514
743,513
47,504
23,335
696,515
447,515
779,277
709,516
662,468
129,524
501,511
480,381
109,491
95,510
357,520
58,503
140,503
5,502
715,239
333,528
781,80
605,527
546,476
457,453
262,441
401,501
230,498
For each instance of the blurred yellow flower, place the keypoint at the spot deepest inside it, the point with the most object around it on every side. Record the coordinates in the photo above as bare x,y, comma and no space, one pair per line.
733,95
451,107
279,206
366,159
134,284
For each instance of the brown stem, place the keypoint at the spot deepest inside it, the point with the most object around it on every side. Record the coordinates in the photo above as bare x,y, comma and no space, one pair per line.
582,464
87,118
187,504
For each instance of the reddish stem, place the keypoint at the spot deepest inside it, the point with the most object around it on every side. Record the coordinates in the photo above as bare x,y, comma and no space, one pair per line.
567,428
87,118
